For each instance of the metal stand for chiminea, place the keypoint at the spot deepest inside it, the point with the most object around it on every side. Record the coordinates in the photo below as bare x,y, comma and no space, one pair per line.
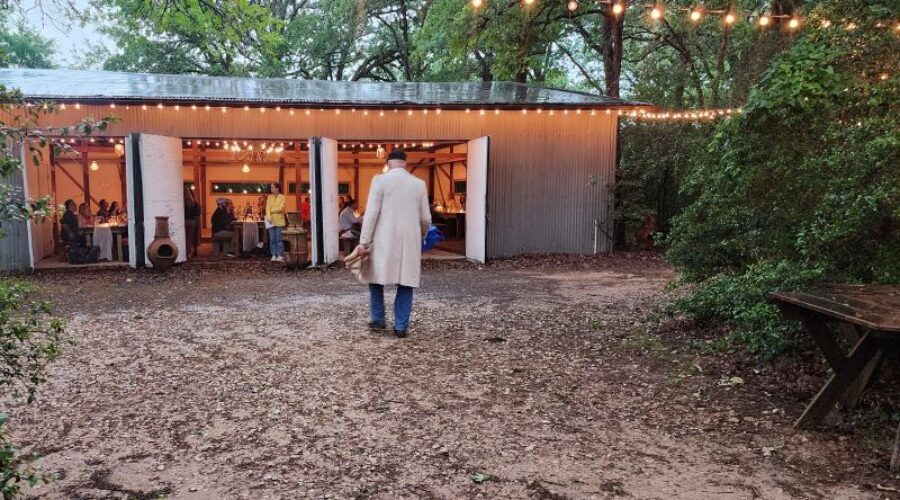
295,238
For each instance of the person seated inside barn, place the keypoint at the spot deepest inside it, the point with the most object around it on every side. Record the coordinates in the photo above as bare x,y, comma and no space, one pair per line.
349,225
103,211
84,215
114,209
69,224
222,234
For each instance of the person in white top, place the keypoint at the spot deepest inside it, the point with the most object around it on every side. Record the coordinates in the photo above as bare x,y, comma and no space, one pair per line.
397,218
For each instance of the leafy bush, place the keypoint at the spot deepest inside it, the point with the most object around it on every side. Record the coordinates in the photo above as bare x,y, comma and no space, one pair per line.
29,339
804,187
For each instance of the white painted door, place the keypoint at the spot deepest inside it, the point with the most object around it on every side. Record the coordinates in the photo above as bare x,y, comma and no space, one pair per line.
476,198
155,183
323,200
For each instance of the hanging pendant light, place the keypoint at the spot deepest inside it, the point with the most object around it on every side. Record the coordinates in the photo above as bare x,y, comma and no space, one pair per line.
119,149
95,166
245,169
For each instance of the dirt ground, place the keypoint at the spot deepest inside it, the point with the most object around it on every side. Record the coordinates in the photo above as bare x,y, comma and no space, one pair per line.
528,378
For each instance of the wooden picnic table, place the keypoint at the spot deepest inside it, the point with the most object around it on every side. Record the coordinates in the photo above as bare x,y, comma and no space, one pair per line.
866,317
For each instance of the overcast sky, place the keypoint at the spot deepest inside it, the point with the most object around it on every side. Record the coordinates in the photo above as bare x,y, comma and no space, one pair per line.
68,35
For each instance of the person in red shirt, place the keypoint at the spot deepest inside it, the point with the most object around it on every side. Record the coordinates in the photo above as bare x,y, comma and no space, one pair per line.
304,212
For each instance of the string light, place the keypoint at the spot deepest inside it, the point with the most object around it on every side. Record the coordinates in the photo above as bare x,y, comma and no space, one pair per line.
730,18
572,6
476,3
684,115
764,20
696,14
618,8
794,23
656,12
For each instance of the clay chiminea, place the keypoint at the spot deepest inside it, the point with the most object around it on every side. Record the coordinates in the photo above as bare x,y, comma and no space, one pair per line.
162,251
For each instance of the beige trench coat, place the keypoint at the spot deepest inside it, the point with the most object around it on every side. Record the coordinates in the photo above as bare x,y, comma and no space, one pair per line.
396,219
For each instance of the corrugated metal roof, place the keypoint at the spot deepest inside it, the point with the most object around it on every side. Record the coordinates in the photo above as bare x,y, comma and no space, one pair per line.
119,86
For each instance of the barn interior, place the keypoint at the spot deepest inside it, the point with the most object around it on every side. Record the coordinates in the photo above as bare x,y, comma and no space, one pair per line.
92,170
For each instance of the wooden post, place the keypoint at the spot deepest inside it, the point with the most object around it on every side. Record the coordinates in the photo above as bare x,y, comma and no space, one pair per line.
86,178
356,175
56,235
298,177
281,174
195,164
201,187
123,181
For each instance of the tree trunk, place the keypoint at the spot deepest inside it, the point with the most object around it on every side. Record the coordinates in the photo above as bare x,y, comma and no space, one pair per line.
611,40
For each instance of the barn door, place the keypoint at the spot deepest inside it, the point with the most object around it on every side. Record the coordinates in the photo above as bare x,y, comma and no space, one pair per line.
155,186
476,198
323,186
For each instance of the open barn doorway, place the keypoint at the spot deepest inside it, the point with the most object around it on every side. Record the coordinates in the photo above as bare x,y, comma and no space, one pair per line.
446,167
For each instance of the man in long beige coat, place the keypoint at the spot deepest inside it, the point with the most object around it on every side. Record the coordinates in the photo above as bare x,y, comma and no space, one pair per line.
396,219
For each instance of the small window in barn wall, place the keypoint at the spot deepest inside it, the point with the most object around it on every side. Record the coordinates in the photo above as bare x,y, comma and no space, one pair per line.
239,187
343,188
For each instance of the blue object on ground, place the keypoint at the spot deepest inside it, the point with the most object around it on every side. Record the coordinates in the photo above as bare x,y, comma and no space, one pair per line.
432,238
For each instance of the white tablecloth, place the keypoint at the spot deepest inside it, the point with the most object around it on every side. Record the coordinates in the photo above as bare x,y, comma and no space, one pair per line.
103,238
250,235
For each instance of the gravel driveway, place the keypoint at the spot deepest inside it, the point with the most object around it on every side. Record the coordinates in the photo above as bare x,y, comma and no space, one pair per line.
528,378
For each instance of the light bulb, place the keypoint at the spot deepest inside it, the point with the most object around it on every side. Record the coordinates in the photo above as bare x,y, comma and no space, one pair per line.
245,169
529,2
794,23
94,166
765,20
476,3
617,8
573,5
696,15
729,18
656,13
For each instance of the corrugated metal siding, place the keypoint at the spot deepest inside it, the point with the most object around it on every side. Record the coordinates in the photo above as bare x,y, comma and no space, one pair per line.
541,197
14,251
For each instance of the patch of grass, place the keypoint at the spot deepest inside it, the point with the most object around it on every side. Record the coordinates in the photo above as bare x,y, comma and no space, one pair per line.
710,346
642,339
684,372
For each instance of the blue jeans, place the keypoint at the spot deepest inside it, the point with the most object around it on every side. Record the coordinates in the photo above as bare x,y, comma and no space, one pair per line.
402,305
276,246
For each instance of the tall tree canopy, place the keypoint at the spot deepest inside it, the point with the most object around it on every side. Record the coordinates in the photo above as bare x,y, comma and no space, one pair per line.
21,46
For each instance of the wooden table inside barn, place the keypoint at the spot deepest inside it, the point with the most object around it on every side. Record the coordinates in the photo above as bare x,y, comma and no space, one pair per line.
239,240
866,318
119,232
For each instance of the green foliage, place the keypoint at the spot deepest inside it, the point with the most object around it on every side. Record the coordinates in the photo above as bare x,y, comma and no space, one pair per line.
656,158
24,47
30,339
21,126
804,187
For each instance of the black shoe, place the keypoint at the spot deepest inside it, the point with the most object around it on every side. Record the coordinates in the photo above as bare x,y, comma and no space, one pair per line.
375,325
400,333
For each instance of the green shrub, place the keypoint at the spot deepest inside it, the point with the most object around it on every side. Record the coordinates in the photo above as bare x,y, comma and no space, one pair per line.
803,188
29,340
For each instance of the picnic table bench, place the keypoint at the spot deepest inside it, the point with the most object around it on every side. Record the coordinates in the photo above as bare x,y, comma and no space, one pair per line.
865,317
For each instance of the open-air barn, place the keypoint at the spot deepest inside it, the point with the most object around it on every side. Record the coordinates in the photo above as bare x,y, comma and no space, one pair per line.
510,168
